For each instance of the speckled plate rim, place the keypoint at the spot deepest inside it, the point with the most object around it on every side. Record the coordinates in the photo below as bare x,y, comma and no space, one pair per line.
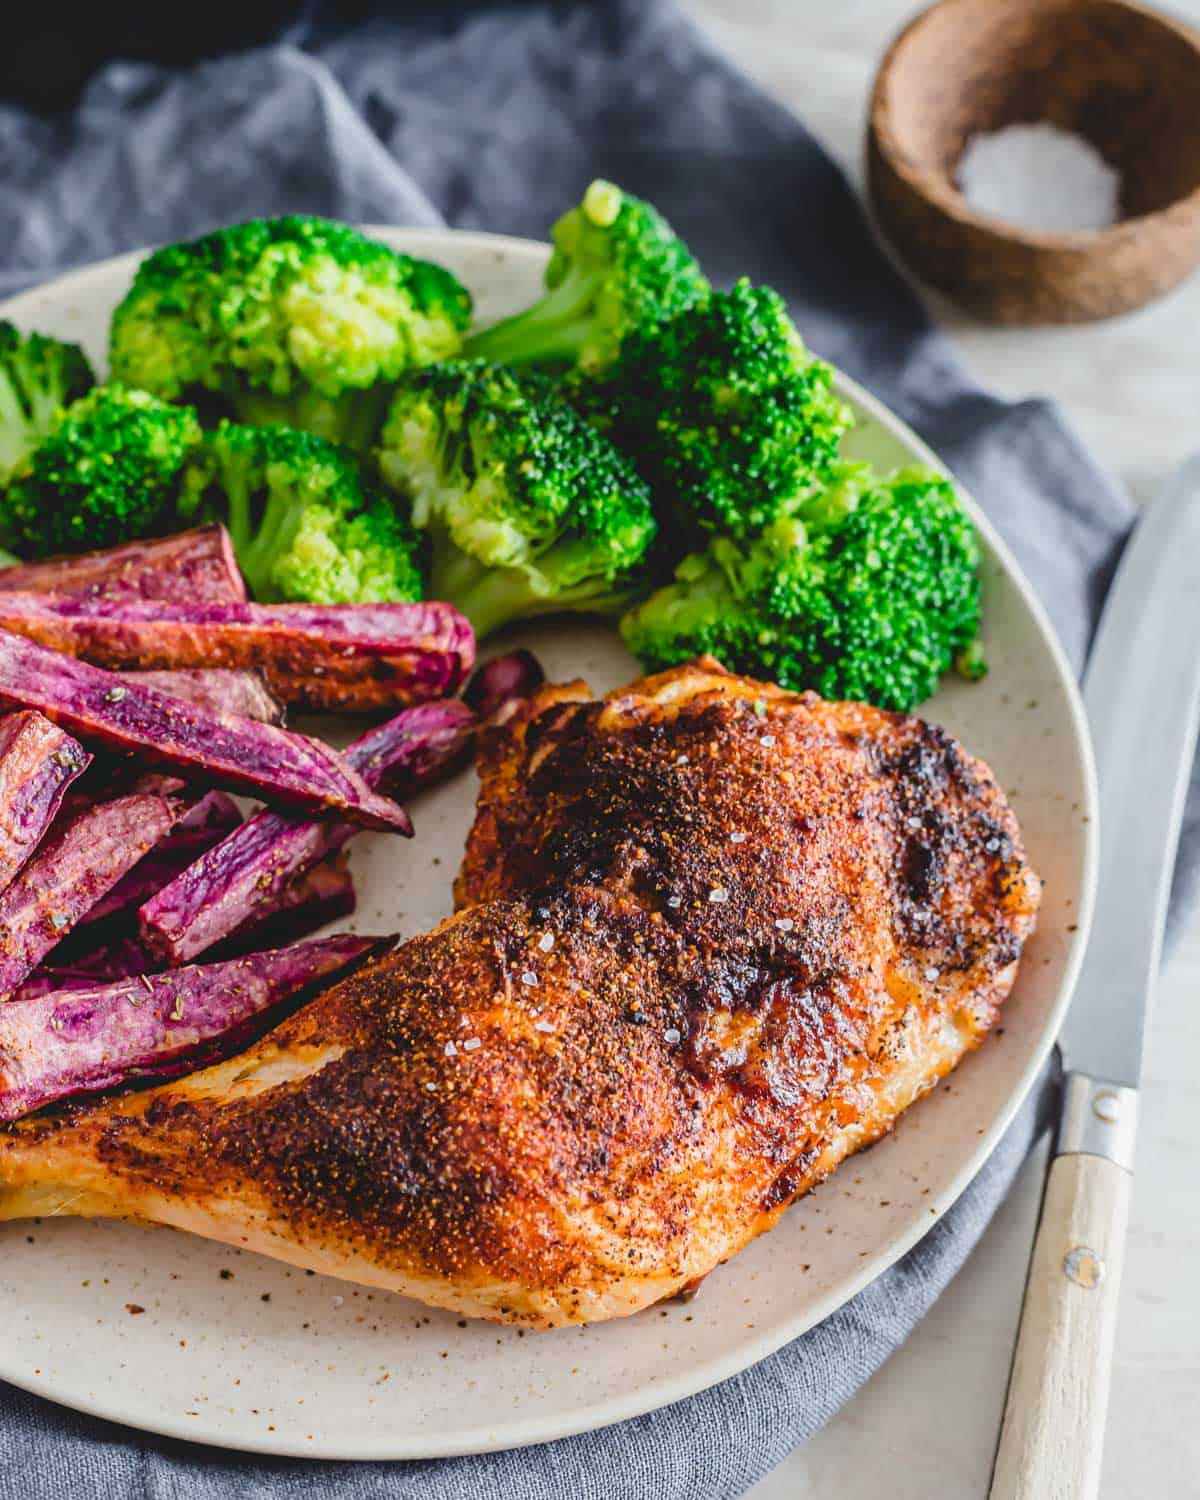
637,1401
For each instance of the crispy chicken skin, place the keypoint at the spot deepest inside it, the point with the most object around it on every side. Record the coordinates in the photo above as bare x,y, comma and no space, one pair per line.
712,938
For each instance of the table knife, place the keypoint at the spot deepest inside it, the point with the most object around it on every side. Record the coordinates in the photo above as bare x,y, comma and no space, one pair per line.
1142,695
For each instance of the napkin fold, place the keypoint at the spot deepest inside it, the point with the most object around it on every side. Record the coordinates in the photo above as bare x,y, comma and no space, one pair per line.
496,118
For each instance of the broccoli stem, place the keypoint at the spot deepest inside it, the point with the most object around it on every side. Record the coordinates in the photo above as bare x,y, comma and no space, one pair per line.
238,517
253,536
493,597
14,426
27,413
276,532
354,418
489,597
557,327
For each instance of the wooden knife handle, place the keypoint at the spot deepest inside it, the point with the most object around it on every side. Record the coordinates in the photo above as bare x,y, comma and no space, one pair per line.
1052,1440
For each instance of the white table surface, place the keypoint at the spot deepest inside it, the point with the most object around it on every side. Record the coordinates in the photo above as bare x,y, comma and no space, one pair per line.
926,1425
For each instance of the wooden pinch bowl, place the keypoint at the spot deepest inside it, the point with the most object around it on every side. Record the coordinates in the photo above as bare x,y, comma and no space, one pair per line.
1119,75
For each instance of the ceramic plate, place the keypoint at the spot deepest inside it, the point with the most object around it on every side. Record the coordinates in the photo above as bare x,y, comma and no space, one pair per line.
191,1339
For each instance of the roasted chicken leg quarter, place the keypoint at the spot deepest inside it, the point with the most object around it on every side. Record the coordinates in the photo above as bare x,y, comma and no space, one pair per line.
712,937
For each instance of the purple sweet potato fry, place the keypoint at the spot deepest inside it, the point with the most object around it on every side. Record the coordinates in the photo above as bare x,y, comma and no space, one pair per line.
260,759
331,896
242,879
202,826
38,762
80,1041
192,567
120,957
108,777
415,748
350,658
215,810
230,690
502,682
245,876
80,860
320,895
41,982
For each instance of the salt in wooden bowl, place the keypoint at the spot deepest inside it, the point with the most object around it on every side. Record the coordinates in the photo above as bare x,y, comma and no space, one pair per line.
1120,76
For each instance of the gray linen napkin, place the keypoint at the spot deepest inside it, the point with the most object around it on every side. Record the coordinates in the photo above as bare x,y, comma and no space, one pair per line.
496,119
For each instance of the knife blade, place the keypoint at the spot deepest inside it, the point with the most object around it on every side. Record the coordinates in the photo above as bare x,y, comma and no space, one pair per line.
1142,695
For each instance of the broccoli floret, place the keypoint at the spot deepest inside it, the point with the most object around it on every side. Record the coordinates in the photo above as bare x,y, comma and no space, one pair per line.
107,472
38,378
297,321
306,525
529,509
873,601
617,266
733,422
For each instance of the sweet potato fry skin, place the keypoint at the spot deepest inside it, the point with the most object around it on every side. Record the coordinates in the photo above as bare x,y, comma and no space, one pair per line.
117,958
249,874
502,682
106,708
243,878
415,748
38,762
202,826
229,690
347,658
323,894
77,1041
194,567
72,870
